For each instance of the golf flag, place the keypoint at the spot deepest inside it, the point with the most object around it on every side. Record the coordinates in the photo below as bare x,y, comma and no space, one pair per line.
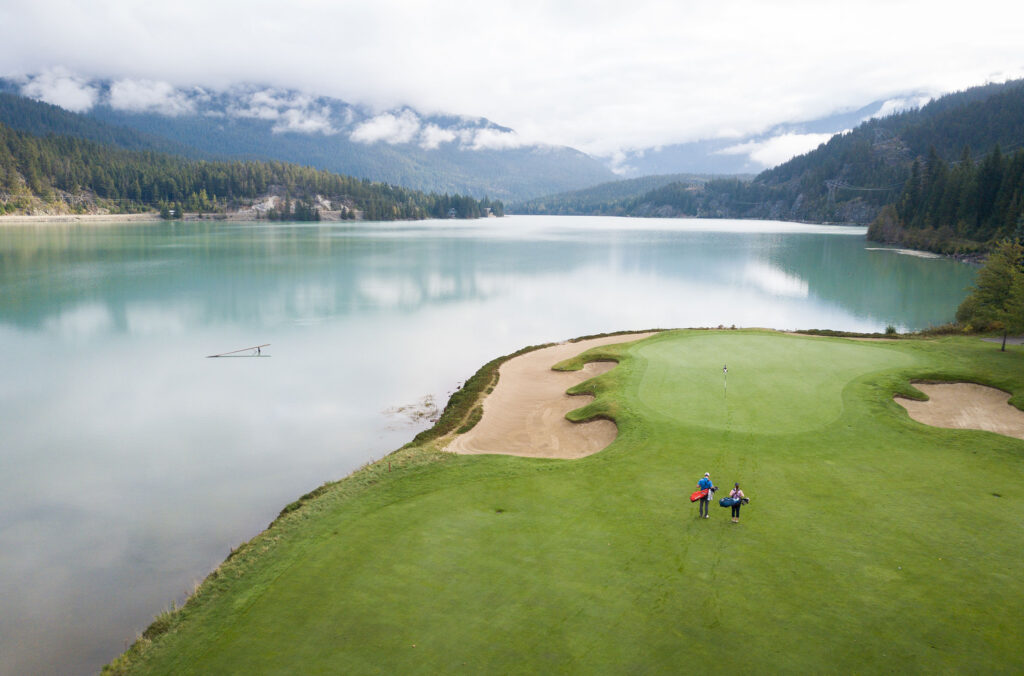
725,378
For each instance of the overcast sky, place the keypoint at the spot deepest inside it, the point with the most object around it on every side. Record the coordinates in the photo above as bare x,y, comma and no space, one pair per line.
599,76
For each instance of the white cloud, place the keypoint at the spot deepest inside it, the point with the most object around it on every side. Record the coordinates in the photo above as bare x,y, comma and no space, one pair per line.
899,105
267,104
61,88
617,162
599,76
494,139
290,111
274,99
149,96
432,136
778,149
257,112
305,121
387,127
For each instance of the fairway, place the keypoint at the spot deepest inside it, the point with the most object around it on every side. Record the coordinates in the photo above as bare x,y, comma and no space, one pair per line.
872,543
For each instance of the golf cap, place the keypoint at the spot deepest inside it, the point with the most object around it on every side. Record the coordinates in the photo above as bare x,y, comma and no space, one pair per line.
707,474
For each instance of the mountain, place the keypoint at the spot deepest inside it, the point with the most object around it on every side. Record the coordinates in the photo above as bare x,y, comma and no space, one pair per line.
435,153
852,176
39,119
752,153
615,198
64,174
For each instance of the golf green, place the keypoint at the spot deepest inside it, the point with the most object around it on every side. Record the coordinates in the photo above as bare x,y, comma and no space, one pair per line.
871,544
771,384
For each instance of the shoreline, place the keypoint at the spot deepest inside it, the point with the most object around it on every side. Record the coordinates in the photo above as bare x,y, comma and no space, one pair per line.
61,219
148,217
425,448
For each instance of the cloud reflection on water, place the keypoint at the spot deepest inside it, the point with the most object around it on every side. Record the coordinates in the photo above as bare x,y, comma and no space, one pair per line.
774,281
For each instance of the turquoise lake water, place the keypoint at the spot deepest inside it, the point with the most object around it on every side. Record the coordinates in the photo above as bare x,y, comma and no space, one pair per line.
131,464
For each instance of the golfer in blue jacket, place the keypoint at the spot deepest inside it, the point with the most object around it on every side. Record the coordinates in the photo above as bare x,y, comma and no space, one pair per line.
702,504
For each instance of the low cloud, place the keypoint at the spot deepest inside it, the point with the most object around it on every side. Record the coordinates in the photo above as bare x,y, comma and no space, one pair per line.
290,112
407,127
305,121
267,104
61,88
257,112
432,136
617,162
389,128
149,96
776,150
893,106
494,139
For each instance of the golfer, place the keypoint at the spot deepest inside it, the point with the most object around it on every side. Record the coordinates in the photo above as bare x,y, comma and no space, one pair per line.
702,505
738,494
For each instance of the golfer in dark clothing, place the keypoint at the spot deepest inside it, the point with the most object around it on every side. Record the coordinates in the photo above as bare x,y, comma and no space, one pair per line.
702,505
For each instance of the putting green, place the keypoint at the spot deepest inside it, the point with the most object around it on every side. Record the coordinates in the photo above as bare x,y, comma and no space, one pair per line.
774,384
872,543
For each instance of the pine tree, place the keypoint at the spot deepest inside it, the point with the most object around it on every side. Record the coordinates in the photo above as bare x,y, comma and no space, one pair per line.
993,304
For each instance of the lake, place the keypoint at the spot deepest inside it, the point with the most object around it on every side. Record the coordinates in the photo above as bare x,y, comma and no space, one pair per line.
131,463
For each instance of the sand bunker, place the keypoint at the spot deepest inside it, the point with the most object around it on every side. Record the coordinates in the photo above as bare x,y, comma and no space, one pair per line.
966,406
525,414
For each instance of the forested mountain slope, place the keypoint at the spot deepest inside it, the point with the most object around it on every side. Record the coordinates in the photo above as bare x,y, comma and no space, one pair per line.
504,173
957,207
614,198
949,173
439,153
40,118
852,176
62,174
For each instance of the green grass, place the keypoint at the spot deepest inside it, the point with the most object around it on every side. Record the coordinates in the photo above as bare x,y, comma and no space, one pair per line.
871,544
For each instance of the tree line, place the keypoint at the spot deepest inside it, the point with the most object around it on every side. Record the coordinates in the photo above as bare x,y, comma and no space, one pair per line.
68,170
957,207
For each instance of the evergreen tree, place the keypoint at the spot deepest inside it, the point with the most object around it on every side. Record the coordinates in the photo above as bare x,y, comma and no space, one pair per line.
997,299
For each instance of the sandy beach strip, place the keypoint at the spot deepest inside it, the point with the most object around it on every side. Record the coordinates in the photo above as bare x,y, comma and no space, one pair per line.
966,406
525,414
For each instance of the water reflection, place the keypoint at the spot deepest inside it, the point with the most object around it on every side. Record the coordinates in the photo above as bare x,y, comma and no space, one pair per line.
304,275
774,281
131,464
